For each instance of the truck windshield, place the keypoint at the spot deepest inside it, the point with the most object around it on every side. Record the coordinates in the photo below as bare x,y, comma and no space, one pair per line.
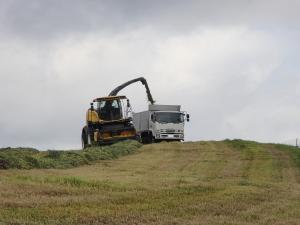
166,117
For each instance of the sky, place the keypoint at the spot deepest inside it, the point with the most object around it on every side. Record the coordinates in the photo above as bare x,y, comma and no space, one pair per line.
232,65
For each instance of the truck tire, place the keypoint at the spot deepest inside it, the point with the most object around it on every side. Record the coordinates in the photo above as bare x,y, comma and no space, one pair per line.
146,138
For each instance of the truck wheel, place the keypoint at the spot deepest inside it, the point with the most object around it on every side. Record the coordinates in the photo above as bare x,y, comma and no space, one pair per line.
144,140
147,139
150,139
139,138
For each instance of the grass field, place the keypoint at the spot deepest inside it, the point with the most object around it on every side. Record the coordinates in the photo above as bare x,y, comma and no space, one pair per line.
226,182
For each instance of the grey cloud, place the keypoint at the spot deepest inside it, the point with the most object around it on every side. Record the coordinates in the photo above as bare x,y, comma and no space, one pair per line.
48,19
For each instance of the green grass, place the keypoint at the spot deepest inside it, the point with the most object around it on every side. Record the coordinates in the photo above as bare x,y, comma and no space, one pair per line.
28,158
224,182
294,151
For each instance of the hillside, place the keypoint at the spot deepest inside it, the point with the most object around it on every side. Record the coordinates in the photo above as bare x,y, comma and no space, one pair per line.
226,182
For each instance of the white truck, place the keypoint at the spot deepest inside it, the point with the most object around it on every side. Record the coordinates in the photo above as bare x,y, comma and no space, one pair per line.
160,122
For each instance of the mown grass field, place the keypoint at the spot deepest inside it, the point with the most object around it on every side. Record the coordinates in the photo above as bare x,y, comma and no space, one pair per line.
226,182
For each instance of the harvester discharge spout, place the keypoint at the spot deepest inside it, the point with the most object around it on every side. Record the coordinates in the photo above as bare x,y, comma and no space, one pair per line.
142,80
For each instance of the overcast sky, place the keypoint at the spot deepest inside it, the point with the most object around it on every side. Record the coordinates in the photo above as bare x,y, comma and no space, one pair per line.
233,65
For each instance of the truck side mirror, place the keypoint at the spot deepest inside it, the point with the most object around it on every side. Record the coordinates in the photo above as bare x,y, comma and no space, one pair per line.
188,117
153,117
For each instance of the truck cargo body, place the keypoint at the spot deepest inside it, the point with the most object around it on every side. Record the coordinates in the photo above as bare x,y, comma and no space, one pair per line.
160,122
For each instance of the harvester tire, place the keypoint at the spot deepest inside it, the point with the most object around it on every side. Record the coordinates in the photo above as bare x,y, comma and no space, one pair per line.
84,138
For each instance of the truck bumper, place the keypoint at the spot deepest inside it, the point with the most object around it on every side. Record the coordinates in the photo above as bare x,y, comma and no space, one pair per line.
169,137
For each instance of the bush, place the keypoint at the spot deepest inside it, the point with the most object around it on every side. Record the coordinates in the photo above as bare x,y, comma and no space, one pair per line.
4,162
54,154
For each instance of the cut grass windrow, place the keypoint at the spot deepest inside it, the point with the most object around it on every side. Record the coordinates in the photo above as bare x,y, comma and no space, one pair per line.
28,158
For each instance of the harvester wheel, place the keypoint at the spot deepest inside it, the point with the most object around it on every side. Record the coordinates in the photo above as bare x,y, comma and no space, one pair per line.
84,138
83,143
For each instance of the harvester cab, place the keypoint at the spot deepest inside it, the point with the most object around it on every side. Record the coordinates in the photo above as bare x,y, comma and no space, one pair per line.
108,120
111,108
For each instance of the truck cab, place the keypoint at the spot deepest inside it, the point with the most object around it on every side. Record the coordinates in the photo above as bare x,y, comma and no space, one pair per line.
167,125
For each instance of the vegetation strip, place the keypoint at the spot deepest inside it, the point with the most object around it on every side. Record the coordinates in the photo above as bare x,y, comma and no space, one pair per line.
29,158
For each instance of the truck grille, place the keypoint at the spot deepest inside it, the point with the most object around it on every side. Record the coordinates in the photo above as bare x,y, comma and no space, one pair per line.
167,131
